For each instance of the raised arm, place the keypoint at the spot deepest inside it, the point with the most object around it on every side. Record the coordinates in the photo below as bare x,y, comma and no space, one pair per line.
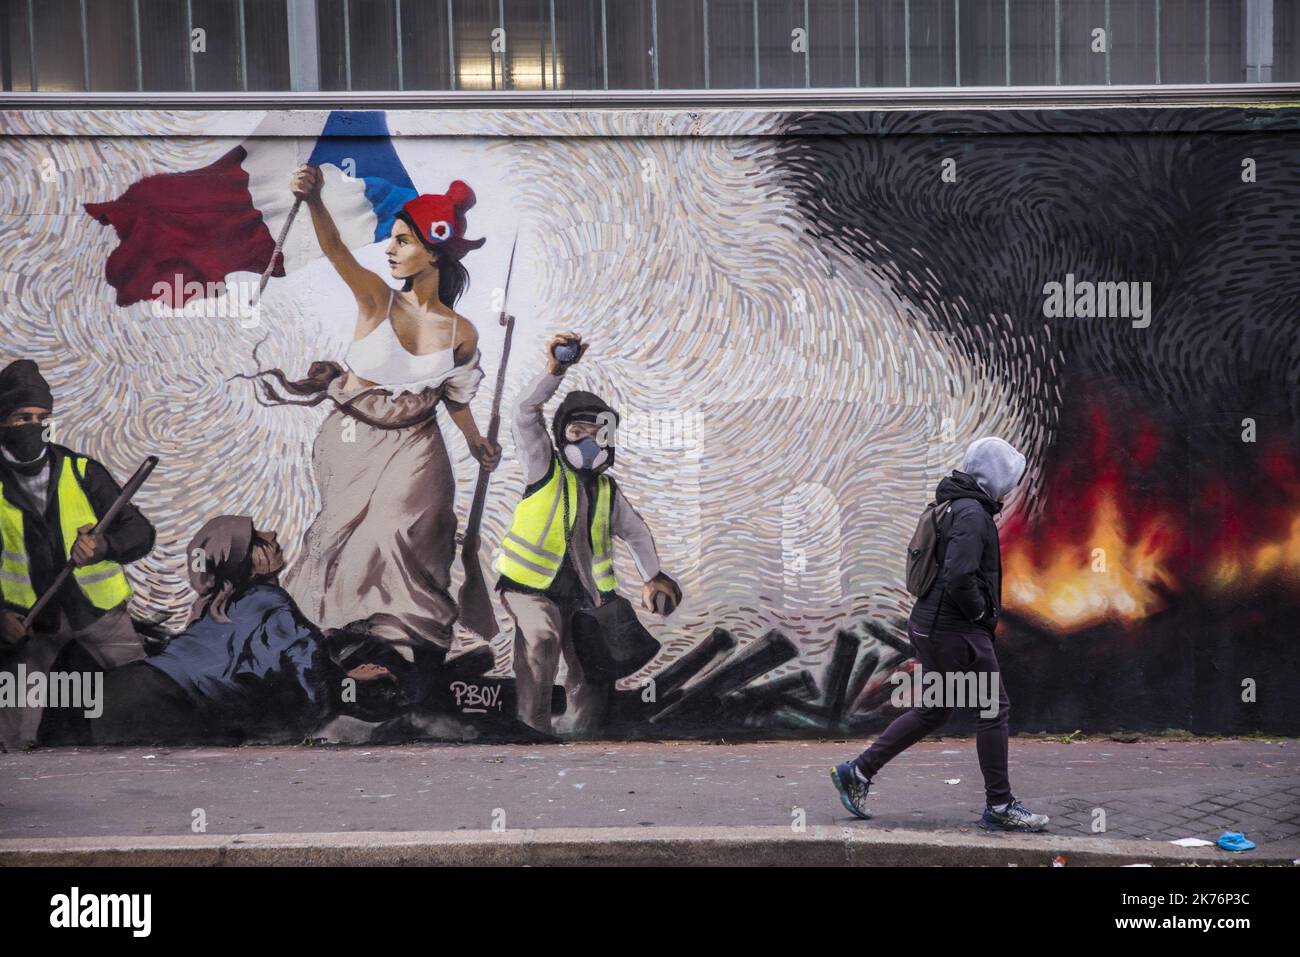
370,290
532,440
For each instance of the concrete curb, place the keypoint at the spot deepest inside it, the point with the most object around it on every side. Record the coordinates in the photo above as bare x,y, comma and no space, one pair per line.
669,846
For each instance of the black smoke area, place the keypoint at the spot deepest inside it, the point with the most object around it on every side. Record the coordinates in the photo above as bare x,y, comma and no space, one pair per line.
1146,195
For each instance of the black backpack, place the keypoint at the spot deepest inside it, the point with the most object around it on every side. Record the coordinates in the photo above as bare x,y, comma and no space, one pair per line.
923,550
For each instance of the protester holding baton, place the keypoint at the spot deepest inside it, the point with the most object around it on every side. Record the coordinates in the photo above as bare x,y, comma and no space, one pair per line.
51,500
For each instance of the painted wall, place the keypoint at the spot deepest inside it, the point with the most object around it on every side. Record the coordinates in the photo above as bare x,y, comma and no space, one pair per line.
802,319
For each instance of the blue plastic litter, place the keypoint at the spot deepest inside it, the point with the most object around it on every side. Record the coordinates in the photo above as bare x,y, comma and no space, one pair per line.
1235,841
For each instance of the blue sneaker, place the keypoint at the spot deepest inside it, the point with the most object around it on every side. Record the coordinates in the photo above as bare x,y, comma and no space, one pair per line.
853,790
1014,817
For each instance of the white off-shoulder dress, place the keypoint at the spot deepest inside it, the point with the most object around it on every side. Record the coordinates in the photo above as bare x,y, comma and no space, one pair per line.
378,555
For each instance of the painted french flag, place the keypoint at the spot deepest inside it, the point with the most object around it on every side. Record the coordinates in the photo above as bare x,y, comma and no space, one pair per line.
202,225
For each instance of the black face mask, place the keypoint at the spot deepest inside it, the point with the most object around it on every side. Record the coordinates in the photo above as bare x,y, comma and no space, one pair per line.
23,442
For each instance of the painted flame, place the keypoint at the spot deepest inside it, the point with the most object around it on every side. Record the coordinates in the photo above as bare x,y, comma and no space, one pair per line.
1106,575
1243,565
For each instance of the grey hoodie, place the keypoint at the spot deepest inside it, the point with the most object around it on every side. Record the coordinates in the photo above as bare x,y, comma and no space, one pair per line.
995,464
969,587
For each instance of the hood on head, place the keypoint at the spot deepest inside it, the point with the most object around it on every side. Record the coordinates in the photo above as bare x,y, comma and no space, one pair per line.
995,465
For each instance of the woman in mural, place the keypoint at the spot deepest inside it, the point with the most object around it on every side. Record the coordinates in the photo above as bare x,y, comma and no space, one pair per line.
378,556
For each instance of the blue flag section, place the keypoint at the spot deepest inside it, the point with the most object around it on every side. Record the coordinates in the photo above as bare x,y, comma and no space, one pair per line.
358,142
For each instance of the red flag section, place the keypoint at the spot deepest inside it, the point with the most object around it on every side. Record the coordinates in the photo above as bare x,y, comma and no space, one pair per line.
199,225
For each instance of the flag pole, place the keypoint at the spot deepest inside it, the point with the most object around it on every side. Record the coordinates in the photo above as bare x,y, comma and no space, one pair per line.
475,608
279,245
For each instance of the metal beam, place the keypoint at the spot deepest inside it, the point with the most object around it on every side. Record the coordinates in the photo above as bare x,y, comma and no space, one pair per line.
31,44
907,43
85,49
139,54
857,46
304,51
1026,97
243,46
706,42
347,47
1157,42
189,43
807,48
654,41
397,36
1056,5
1259,41
1006,40
1107,42
1207,41
505,50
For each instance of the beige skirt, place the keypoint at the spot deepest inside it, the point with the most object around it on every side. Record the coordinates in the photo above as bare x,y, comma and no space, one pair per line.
379,553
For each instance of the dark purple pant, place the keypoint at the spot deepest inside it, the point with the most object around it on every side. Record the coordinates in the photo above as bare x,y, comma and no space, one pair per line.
945,651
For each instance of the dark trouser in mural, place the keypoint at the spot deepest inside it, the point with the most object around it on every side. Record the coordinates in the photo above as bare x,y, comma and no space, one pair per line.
111,640
138,701
944,652
543,633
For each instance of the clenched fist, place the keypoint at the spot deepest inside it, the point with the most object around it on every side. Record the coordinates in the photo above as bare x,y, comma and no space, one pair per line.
570,340
11,628
89,547
306,182
661,595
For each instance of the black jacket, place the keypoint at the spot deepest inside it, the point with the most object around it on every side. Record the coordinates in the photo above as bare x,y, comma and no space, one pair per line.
130,537
970,572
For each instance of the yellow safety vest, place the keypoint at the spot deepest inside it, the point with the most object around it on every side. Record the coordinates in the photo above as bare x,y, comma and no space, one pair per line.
534,547
104,583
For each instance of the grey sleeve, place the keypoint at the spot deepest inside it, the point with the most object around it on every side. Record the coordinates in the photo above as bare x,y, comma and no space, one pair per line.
532,440
626,523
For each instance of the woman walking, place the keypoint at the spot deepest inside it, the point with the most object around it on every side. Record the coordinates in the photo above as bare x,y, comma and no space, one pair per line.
377,558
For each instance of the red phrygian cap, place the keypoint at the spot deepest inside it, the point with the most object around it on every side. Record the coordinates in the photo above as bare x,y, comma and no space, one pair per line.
440,218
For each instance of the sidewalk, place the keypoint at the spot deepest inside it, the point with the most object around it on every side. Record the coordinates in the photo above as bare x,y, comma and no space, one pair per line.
631,802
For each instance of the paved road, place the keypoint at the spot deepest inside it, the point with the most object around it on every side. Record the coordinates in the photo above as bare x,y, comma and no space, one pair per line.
1156,790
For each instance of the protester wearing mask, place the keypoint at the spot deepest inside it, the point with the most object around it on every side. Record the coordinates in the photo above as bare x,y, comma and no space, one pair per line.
546,574
50,500
247,663
952,628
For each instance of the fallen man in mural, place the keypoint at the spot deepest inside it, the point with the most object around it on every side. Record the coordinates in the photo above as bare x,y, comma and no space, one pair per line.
547,572
959,612
248,663
51,498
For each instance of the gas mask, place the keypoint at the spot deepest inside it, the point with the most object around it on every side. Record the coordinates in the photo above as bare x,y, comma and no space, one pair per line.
592,454
588,456
24,443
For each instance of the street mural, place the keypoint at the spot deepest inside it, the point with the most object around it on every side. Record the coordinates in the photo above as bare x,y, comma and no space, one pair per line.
375,426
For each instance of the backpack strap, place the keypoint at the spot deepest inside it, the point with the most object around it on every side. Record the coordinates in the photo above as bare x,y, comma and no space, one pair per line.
941,550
